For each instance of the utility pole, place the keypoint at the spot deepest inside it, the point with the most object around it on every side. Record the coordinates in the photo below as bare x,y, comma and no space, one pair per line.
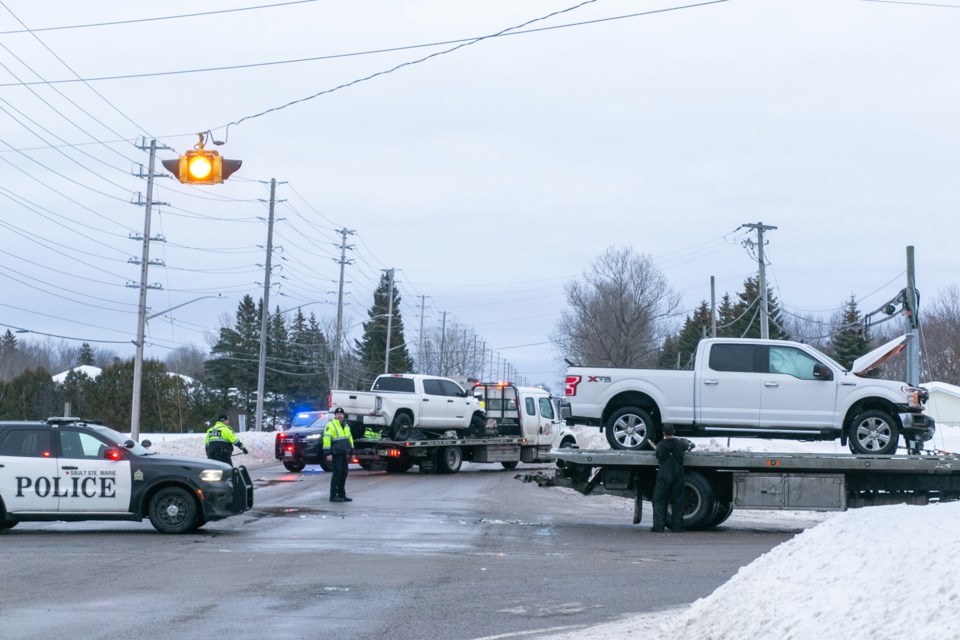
336,345
913,323
764,310
420,340
386,358
443,344
713,308
143,286
265,310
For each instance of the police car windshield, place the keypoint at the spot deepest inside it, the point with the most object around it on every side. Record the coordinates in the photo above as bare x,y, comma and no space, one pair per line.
117,438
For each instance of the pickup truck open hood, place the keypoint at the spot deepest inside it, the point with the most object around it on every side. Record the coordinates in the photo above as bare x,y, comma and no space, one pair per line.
879,355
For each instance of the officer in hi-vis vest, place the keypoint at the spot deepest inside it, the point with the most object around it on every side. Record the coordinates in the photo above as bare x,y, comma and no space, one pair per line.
221,440
338,447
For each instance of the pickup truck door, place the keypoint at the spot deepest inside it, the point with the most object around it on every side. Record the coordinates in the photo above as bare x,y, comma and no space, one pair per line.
792,397
433,404
459,404
729,386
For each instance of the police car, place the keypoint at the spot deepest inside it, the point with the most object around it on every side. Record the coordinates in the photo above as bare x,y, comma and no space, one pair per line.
70,470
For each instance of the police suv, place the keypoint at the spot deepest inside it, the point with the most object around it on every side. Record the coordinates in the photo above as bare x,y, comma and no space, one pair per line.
67,469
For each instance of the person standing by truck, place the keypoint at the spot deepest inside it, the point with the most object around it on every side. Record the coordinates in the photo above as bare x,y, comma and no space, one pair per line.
221,440
338,447
670,479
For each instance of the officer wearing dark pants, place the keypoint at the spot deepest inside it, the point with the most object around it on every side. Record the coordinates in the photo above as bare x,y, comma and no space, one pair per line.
669,487
338,447
221,440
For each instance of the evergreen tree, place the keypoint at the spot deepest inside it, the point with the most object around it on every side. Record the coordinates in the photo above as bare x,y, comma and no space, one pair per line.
371,348
85,355
747,313
31,396
8,355
851,339
696,327
308,350
235,357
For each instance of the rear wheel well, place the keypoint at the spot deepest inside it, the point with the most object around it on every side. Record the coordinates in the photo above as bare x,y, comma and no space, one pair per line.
631,399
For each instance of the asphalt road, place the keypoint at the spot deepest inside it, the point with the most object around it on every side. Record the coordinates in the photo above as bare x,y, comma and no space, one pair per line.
415,556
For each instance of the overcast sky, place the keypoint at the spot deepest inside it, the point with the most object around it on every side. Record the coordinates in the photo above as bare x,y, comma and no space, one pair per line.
488,176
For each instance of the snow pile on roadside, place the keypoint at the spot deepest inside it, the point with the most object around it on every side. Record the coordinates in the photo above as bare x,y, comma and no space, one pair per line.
859,574
260,444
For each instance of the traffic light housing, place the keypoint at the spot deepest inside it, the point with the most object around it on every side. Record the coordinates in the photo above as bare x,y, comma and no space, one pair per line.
200,166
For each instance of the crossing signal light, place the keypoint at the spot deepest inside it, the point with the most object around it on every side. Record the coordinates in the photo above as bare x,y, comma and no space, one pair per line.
199,166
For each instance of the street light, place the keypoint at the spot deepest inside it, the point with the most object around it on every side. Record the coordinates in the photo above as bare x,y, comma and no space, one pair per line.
138,363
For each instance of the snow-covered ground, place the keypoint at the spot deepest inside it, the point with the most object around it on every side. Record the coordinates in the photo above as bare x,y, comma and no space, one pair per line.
879,573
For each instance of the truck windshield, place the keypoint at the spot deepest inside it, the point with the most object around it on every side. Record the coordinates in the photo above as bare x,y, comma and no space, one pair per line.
389,383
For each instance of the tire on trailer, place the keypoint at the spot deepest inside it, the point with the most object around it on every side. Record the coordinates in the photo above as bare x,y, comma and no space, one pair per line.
173,510
874,432
724,509
402,424
510,465
701,505
630,428
295,467
449,460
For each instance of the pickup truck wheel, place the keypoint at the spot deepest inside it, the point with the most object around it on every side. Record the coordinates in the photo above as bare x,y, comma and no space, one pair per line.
630,428
173,510
293,466
402,424
478,427
449,460
874,432
700,506
509,465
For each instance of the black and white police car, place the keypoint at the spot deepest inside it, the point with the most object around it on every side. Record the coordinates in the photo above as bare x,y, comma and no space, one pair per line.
67,469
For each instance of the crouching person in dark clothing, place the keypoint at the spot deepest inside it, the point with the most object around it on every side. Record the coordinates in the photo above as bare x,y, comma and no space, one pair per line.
669,485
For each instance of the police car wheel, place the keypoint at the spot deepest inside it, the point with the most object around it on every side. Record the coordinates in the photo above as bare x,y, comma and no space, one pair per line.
8,524
172,510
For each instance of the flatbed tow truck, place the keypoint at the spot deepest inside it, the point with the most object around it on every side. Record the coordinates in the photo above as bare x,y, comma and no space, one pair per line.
719,482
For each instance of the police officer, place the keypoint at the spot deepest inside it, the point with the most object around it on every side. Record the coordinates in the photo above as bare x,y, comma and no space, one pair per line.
669,485
338,447
221,439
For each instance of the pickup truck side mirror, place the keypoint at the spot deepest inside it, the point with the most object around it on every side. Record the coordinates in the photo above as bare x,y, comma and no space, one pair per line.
822,372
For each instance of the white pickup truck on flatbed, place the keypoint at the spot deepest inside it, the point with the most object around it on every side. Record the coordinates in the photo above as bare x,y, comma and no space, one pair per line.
398,404
748,387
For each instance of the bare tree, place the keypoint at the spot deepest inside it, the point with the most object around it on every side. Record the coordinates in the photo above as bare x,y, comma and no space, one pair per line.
940,337
186,360
619,312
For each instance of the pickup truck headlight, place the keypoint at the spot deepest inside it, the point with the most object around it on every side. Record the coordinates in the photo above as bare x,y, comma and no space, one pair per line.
313,437
211,475
915,395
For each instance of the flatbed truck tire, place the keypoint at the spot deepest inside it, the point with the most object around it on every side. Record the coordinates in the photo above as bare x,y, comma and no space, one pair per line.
509,465
449,460
701,501
724,509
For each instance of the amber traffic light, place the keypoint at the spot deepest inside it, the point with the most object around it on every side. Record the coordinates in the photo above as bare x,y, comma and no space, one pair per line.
199,166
